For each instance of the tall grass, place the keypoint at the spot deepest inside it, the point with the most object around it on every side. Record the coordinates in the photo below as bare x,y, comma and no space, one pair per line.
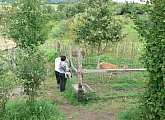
42,110
131,113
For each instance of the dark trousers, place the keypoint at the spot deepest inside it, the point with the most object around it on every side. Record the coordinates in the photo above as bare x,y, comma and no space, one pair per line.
57,74
62,82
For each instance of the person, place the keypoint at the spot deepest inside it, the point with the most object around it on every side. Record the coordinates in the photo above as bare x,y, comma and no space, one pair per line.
57,66
63,69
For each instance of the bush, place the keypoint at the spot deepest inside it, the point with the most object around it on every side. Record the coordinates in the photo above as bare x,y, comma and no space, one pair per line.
124,9
60,7
73,9
31,70
42,111
51,54
52,14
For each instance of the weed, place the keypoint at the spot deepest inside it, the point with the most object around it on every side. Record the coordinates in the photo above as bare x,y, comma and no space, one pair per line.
132,113
41,111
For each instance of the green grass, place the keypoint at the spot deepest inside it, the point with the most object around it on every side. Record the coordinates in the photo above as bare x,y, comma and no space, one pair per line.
70,94
131,113
40,110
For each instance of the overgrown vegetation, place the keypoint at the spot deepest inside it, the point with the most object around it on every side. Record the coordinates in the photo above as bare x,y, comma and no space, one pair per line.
3,94
41,111
31,70
152,29
132,113
5,82
26,22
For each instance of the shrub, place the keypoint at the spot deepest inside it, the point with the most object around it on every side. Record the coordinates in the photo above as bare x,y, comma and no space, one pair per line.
51,54
73,9
31,71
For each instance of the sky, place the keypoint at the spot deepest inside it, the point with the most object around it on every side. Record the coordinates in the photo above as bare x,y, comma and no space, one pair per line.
135,1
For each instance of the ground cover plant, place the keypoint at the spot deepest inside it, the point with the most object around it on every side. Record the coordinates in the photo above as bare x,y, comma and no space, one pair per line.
23,111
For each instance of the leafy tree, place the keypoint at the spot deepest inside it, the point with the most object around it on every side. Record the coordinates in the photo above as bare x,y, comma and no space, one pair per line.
98,25
31,71
3,94
28,23
73,9
4,86
152,29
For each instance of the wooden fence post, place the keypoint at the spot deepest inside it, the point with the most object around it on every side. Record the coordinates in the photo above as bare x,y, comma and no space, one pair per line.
58,47
70,57
79,71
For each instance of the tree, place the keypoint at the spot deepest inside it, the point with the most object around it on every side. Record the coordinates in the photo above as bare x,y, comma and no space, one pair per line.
98,25
28,23
31,70
152,29
4,82
3,91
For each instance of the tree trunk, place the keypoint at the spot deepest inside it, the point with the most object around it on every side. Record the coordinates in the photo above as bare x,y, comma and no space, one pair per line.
79,70
99,51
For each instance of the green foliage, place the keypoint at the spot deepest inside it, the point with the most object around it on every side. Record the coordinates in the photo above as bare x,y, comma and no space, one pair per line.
41,111
69,10
132,113
61,6
70,94
124,9
152,29
27,25
31,71
51,54
3,98
98,25
52,13
92,96
60,29
73,9
5,81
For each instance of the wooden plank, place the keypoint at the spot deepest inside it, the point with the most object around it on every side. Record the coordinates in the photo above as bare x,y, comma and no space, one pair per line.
111,70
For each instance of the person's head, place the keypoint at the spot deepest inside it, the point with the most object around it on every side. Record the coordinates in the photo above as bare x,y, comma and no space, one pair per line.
63,58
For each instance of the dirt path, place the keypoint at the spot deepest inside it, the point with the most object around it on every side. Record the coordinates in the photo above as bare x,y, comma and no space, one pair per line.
70,111
73,113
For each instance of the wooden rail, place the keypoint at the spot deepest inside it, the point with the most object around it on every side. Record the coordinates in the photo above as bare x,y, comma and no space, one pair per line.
111,70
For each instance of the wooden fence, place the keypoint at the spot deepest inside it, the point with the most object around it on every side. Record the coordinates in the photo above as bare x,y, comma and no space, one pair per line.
78,67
